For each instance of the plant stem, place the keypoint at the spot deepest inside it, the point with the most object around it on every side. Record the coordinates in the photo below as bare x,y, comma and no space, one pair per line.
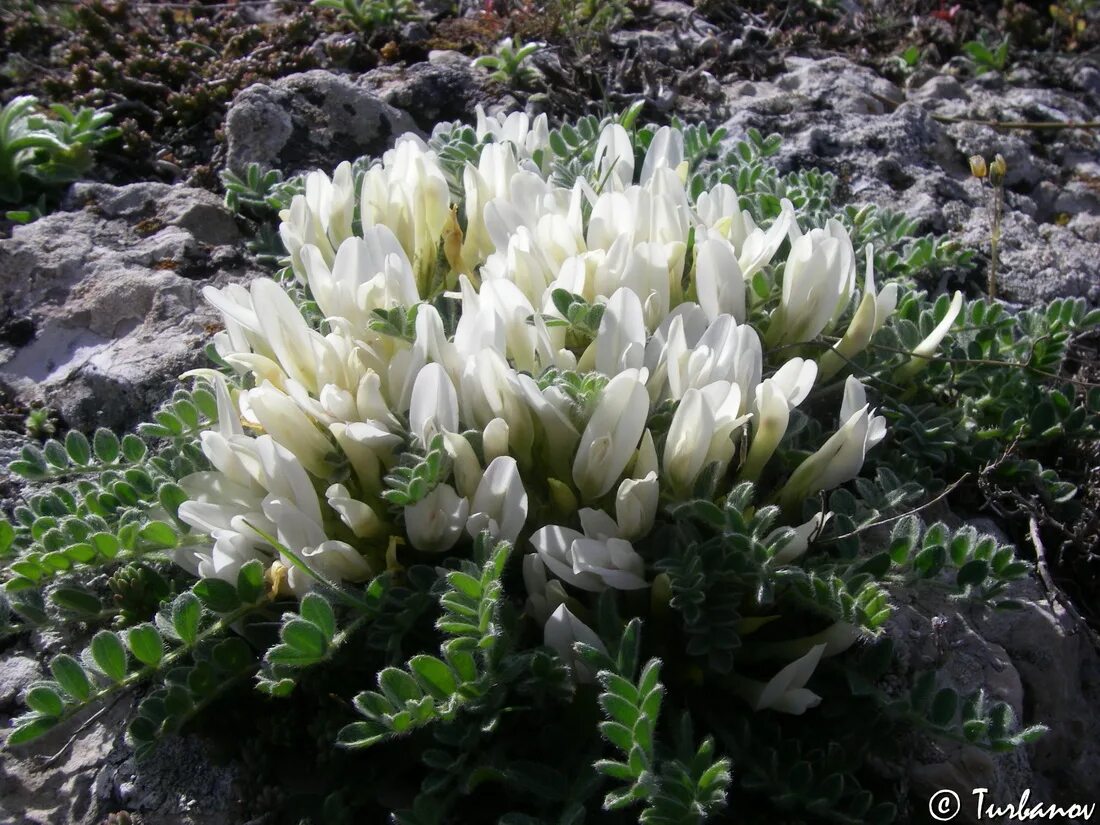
140,675
1021,124
995,239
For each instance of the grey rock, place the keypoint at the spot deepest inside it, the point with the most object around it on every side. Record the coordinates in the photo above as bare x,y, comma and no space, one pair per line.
843,119
1087,79
449,58
939,87
106,299
16,675
841,85
1038,261
55,782
1077,196
306,121
430,92
1022,167
1037,661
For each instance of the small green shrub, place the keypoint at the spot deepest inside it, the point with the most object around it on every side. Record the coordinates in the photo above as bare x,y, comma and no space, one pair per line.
508,63
40,152
542,424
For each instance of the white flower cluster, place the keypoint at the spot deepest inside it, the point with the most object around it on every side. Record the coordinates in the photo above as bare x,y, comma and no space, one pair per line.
671,277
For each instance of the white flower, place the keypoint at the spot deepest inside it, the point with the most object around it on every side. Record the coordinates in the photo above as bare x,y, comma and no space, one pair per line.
284,420
798,541
490,389
620,344
321,217
500,502
435,522
637,497
775,398
589,563
408,193
719,284
229,553
434,405
721,351
357,515
873,311
612,433
786,691
543,595
841,457
561,631
614,158
817,283
527,136
666,151
467,470
927,348
702,431
333,561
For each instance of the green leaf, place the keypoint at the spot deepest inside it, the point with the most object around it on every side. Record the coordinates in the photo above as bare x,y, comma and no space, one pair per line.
133,448
106,445
217,595
106,544
7,536
250,582
232,655
171,496
109,655
186,612
160,533
399,687
30,730
316,610
146,644
434,675
45,700
972,573
944,705
71,676
304,637
77,600
56,455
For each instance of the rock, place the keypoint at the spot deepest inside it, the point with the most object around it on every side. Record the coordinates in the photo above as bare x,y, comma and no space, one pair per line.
16,675
1034,659
307,121
101,305
54,782
843,119
431,92
940,87
1087,79
1038,261
841,85
1022,168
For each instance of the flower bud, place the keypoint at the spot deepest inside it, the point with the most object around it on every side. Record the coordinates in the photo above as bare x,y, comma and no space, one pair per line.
977,166
565,502
997,170
494,440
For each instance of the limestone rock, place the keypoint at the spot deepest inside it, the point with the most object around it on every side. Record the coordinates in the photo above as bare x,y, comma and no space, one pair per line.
432,93
101,306
308,121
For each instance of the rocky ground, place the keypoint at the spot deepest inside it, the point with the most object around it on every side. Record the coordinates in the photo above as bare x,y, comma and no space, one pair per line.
100,302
